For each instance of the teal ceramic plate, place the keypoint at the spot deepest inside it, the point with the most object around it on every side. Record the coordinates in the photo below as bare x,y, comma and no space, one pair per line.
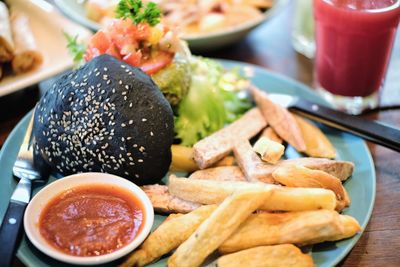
361,186
197,42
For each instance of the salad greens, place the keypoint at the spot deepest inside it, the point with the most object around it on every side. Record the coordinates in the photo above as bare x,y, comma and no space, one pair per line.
214,100
137,12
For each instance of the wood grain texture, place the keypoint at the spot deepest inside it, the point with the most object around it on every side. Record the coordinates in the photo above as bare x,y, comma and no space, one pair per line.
270,46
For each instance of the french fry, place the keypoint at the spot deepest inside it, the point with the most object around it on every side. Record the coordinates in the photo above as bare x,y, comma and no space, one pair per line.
317,144
215,147
299,176
280,119
282,199
270,151
350,226
168,236
301,228
267,256
271,134
338,168
250,163
218,227
227,173
164,202
182,159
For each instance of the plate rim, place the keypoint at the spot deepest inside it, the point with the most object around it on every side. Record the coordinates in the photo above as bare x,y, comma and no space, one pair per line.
353,240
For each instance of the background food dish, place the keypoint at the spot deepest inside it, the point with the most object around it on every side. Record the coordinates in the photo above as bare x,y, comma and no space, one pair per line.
361,186
47,25
197,42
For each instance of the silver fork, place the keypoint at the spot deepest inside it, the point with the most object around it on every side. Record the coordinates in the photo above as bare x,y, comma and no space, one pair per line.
24,169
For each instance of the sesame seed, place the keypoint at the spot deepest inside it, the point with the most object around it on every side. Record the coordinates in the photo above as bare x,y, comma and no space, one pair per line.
144,119
151,133
140,160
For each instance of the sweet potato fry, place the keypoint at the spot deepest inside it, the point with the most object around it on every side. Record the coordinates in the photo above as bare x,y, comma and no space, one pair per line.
213,148
301,228
282,198
317,144
219,226
267,256
227,173
168,236
271,134
280,119
227,161
182,159
298,176
270,151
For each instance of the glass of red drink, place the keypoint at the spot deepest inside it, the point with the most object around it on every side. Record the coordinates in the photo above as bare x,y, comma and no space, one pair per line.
354,40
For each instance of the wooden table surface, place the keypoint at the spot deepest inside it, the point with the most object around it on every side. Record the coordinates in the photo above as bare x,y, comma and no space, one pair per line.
270,46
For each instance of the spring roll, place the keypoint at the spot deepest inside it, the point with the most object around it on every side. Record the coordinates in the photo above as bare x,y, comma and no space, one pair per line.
6,41
27,56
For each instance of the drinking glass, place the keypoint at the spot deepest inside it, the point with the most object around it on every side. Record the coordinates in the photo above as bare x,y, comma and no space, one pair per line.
303,28
354,39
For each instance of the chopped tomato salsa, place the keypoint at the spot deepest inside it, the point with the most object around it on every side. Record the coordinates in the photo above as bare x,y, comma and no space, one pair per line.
91,220
143,46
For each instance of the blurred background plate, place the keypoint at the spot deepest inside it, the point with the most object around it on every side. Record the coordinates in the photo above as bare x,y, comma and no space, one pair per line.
198,42
48,26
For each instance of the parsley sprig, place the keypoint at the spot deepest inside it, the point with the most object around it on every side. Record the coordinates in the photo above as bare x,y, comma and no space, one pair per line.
137,12
76,49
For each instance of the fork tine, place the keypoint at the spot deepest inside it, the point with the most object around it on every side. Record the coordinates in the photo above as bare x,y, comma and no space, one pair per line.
26,142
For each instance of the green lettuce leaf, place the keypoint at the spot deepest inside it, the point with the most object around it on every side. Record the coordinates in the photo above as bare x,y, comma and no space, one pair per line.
215,99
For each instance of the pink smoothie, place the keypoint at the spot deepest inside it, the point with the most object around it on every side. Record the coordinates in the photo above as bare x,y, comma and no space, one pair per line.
354,41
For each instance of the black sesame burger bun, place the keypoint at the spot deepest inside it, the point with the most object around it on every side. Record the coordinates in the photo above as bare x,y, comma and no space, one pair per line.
105,117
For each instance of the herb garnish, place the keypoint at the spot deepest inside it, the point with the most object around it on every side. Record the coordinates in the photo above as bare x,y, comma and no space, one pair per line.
77,50
137,12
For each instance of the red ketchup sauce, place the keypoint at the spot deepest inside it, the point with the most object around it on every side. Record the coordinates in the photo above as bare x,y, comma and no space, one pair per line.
92,220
